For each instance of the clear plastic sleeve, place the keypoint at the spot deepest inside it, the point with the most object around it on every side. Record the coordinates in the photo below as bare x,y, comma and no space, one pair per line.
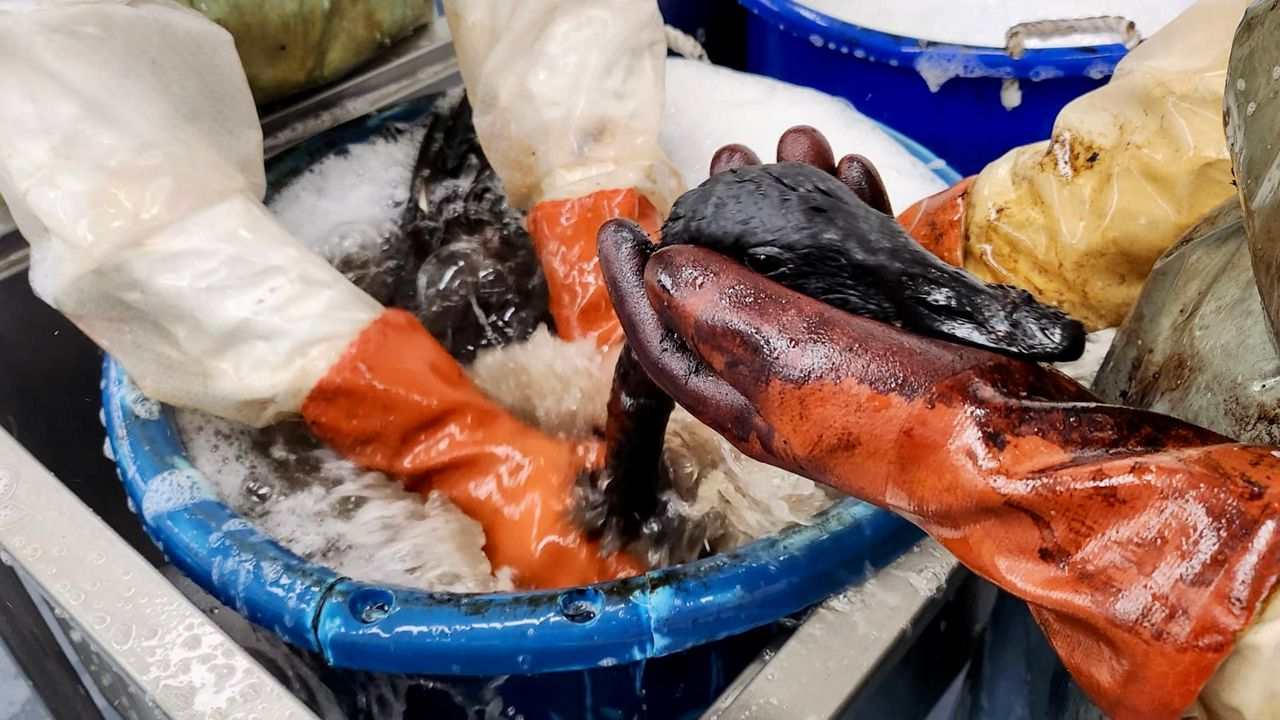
568,95
1080,219
131,158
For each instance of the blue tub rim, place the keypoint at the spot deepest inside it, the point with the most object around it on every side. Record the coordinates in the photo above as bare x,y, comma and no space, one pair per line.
971,61
385,628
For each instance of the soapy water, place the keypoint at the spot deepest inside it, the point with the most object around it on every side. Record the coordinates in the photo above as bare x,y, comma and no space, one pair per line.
352,205
366,526
983,23
347,207
361,524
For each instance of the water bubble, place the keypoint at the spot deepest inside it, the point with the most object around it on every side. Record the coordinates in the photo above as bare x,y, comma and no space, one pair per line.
8,482
581,605
369,605
122,636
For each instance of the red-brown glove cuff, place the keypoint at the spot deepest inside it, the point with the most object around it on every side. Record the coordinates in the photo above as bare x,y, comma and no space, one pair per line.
938,222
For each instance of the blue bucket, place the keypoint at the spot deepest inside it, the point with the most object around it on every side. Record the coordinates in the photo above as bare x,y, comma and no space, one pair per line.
965,121
594,643
718,25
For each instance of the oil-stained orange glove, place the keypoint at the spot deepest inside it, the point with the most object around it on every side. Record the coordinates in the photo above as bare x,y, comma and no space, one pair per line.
397,402
938,222
1144,545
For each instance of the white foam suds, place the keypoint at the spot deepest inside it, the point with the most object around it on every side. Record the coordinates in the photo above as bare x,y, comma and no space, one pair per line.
1086,368
174,490
360,191
709,107
983,23
361,524
563,388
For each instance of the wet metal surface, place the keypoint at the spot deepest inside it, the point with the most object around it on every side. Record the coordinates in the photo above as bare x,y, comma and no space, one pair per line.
18,701
880,649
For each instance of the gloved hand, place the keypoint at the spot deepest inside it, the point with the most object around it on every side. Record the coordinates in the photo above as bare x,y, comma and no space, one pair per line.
139,190
1144,546
825,229
784,220
568,98
937,222
1080,218
397,402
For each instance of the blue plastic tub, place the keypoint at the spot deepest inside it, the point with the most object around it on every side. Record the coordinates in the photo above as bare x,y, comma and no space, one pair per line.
964,122
663,645
719,25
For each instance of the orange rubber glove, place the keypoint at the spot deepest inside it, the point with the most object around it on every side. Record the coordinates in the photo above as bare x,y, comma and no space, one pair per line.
938,222
568,98
1145,546
397,402
564,235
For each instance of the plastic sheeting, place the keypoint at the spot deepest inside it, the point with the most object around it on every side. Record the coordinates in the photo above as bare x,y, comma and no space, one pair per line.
1253,116
1199,344
1080,219
290,46
131,157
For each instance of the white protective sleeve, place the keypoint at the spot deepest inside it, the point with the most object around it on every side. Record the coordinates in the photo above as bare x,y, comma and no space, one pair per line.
567,95
6,220
1080,219
1246,685
131,158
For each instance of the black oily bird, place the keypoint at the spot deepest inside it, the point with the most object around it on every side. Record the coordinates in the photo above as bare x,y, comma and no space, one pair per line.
826,232
808,231
478,282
